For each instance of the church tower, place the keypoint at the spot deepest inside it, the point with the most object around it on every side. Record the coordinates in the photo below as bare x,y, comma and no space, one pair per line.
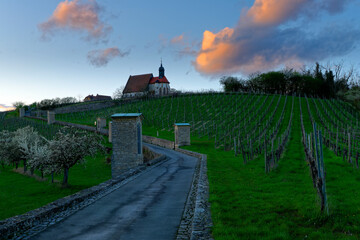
161,71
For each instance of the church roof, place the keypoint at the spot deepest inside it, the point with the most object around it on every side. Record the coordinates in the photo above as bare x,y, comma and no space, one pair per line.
138,83
158,80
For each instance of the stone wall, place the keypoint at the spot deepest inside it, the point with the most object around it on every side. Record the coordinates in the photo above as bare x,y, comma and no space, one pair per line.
85,107
159,142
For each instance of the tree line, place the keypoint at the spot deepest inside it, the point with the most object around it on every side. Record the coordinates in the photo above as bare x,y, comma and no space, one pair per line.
46,104
327,82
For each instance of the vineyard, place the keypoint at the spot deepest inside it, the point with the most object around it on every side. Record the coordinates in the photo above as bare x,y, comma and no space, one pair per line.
12,124
247,124
279,167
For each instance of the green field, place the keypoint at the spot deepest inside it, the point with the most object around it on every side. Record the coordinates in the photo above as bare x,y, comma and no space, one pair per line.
246,202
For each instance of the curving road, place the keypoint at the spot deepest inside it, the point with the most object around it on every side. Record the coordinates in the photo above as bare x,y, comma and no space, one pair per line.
149,207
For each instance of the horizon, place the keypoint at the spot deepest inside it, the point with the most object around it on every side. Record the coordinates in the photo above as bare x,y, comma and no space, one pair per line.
77,48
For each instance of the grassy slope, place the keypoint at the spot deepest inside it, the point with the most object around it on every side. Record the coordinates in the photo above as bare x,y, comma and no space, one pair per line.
20,194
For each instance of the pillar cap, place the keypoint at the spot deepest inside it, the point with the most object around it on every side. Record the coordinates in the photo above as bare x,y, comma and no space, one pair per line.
126,115
182,124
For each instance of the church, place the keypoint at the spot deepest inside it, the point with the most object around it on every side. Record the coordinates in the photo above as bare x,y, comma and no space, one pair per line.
140,85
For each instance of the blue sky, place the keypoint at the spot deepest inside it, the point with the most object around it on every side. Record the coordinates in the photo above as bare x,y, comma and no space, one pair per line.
48,53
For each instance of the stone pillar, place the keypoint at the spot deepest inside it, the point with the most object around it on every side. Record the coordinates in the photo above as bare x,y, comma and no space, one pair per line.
100,123
22,112
126,132
50,117
110,135
182,134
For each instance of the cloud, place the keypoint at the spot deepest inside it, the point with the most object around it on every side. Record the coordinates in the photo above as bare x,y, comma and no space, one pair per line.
4,108
178,39
77,15
100,58
270,12
333,6
261,41
181,45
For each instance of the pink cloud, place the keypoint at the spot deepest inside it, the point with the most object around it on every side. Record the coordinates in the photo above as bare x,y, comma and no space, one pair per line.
178,39
76,15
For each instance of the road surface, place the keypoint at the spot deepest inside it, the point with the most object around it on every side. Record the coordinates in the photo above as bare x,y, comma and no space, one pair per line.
149,207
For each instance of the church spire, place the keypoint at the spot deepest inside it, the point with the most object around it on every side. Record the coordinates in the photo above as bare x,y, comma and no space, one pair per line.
161,70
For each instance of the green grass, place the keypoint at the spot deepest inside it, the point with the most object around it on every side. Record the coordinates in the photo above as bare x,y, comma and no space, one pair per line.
20,193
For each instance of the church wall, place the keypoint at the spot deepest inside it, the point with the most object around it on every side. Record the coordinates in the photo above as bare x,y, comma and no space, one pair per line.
133,94
158,88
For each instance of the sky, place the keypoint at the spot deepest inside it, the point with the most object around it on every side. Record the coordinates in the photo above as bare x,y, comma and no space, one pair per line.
74,48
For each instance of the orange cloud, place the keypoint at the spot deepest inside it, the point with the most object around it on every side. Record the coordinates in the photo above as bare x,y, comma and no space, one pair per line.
76,15
177,39
270,12
214,46
258,43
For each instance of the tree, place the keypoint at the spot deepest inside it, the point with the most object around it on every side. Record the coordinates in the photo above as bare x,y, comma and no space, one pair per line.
68,100
231,84
18,104
39,157
69,147
5,143
118,93
26,138
9,151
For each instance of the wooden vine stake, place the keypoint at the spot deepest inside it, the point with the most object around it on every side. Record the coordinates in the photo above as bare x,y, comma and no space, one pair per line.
322,174
349,147
337,141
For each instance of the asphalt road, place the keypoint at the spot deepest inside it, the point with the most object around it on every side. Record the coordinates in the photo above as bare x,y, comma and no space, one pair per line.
149,207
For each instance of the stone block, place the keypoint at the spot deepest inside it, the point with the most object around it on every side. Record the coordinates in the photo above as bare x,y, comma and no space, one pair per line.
50,117
22,112
182,134
100,123
126,137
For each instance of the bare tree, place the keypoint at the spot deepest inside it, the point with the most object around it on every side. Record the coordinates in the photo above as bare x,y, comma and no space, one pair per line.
118,93
18,104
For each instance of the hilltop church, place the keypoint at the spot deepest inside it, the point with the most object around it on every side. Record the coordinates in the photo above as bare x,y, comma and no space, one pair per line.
139,85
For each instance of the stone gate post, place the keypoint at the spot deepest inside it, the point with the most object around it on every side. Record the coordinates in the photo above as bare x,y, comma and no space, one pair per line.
182,134
126,132
100,123
22,112
50,117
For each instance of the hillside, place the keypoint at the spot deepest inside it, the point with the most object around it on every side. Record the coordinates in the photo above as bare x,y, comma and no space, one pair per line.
258,197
